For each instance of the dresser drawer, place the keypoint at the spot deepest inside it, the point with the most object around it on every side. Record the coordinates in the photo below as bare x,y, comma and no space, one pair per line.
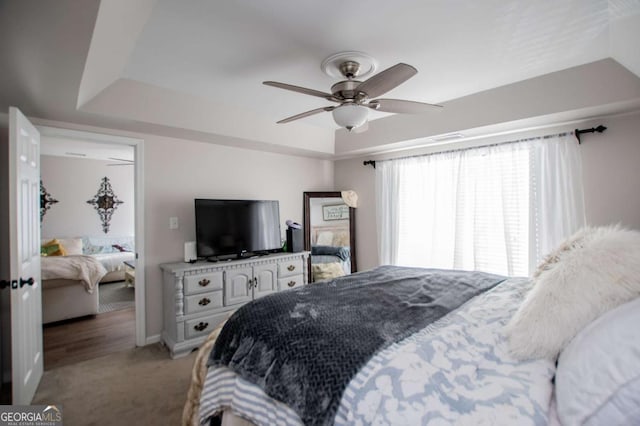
203,283
289,268
290,282
203,302
204,325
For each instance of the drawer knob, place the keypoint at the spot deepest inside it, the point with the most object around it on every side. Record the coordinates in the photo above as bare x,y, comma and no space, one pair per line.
290,268
204,282
201,326
291,283
204,301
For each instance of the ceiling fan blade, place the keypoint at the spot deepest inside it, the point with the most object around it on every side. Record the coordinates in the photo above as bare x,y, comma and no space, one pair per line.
386,80
402,107
302,90
306,114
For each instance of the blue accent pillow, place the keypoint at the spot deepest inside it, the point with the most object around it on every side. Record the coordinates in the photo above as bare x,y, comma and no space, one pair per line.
343,253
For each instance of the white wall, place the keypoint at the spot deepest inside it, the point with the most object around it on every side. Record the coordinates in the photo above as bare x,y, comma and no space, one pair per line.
351,174
611,174
74,181
611,166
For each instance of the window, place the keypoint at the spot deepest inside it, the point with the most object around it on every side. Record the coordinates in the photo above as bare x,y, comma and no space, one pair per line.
469,209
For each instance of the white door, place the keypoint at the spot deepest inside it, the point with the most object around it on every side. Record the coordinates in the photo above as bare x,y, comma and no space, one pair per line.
24,223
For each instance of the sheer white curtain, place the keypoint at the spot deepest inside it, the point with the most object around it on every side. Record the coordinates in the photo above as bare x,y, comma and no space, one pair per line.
493,208
387,216
557,196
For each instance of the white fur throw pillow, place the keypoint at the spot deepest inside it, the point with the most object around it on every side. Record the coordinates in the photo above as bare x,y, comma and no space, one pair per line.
592,272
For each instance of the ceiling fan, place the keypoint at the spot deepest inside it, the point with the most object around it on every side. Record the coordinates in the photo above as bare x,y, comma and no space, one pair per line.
355,97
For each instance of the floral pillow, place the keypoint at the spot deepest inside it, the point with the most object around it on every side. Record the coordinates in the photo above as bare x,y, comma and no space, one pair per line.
326,271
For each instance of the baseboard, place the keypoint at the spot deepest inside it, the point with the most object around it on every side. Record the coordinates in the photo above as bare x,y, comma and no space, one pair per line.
152,339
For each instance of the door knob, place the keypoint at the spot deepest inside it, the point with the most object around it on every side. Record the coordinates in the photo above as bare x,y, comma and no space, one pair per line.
29,281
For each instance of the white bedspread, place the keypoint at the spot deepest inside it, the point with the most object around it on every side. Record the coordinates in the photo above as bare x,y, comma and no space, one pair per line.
86,269
113,262
456,371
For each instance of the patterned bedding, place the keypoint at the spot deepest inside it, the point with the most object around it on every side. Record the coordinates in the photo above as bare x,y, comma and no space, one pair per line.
454,371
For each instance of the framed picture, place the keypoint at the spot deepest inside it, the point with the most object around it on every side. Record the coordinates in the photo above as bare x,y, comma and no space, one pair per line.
335,212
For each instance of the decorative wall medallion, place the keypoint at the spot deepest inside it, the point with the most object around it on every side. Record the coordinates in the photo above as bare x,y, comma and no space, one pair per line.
46,201
105,202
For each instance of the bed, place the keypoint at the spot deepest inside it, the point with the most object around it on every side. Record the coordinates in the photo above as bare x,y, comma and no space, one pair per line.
114,264
339,352
73,269
330,252
70,287
112,252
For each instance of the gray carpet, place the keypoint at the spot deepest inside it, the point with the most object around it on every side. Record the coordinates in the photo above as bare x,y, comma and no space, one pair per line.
115,296
141,386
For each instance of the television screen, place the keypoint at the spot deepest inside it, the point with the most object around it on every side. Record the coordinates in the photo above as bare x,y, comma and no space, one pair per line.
226,227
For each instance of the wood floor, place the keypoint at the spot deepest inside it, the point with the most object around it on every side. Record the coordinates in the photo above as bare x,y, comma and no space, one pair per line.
72,341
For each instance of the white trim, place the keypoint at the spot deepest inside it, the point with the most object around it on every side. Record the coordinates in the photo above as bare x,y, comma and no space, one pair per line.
86,136
138,146
141,319
153,339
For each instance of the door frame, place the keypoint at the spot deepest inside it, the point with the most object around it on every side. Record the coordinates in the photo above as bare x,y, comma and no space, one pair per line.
138,147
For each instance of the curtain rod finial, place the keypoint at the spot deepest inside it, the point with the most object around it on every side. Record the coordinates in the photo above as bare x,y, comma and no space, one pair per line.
578,132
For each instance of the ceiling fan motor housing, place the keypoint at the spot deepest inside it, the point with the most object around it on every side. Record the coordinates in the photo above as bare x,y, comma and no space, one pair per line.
350,69
346,90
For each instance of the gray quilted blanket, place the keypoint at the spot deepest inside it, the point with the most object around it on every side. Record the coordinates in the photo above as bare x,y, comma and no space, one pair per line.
302,347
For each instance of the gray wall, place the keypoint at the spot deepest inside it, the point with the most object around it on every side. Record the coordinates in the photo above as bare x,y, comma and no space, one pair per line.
611,179
177,171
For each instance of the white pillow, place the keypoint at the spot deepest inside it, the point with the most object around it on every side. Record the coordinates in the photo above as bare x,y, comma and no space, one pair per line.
598,375
72,246
591,274
325,238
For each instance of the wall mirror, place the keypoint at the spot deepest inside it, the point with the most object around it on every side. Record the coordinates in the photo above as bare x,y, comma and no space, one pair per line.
329,234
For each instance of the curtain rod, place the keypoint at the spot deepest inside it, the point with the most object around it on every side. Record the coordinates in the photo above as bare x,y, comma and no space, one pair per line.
576,132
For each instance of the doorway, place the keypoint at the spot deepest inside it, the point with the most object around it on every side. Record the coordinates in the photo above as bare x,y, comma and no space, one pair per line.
113,167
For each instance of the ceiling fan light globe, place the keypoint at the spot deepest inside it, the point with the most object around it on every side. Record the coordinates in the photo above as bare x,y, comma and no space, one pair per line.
350,116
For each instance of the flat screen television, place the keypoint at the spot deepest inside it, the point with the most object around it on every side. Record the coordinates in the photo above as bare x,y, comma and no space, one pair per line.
236,227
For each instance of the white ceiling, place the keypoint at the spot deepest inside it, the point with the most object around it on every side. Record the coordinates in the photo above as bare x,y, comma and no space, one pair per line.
194,69
224,50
